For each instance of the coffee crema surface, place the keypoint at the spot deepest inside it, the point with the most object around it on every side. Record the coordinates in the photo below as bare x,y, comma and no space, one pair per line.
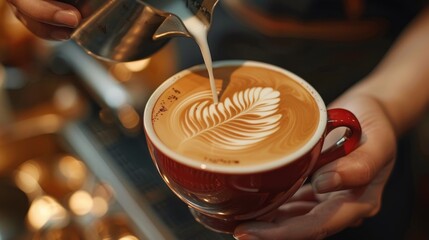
262,115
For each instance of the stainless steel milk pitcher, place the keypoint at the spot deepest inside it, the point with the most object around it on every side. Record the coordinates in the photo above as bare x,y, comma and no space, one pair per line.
129,30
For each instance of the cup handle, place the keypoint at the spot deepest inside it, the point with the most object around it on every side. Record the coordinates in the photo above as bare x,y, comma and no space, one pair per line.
347,143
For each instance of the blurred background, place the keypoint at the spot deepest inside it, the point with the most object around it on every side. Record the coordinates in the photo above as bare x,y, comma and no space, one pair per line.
73,159
67,130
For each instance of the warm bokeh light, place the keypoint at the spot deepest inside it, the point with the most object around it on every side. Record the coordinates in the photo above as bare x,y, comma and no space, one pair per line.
73,170
27,183
32,168
128,237
65,97
104,191
137,66
81,203
124,71
129,117
121,72
100,206
27,178
47,123
46,211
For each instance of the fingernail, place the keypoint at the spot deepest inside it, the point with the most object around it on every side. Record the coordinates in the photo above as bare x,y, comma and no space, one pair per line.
244,236
67,18
325,182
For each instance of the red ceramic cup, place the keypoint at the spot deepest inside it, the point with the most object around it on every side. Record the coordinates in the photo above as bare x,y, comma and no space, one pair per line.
220,197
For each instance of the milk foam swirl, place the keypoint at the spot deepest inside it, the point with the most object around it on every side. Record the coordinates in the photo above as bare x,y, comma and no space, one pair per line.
262,115
247,118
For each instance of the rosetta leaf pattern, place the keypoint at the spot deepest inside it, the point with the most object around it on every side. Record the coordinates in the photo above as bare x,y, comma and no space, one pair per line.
236,123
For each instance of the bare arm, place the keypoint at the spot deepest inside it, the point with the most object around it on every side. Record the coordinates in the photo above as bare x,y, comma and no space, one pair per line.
401,81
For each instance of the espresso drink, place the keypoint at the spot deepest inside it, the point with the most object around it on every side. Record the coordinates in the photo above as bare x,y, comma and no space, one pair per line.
262,115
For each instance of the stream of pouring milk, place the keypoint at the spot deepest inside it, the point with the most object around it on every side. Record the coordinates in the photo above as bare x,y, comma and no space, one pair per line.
199,31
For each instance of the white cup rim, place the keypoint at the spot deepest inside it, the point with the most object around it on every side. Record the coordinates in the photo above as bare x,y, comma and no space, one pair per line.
274,164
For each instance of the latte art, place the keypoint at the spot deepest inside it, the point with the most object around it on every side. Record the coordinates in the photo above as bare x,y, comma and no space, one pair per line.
261,115
249,117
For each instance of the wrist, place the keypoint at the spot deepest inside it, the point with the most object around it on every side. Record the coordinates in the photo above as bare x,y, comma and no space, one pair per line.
402,100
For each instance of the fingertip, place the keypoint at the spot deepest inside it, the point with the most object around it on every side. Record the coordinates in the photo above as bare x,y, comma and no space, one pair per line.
327,182
244,236
252,230
67,18
54,13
